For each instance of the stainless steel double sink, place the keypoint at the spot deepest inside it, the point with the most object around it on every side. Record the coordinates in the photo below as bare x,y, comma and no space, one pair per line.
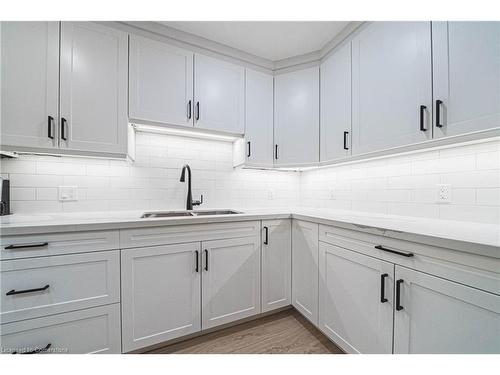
159,214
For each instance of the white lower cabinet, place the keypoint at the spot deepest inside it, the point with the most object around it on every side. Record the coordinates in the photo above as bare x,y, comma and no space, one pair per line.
161,288
231,280
95,330
305,269
276,264
435,315
355,300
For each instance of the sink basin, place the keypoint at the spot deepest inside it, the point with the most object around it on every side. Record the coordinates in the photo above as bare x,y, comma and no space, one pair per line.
150,215
215,212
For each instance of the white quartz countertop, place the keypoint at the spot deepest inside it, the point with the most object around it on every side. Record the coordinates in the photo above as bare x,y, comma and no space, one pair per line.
454,234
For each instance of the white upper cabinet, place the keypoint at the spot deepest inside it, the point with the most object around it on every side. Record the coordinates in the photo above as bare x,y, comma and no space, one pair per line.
391,85
466,58
30,79
335,117
219,93
93,94
160,82
435,315
259,117
296,117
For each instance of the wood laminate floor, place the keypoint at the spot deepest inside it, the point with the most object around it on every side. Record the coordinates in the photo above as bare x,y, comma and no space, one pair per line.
286,332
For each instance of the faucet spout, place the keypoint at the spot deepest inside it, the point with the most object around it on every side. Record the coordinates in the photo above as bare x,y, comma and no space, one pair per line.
189,198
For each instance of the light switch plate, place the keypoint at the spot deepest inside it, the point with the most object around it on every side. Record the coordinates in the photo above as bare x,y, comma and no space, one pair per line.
68,193
443,193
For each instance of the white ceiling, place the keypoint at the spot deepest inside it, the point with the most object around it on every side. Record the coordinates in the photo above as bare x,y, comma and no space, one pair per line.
272,40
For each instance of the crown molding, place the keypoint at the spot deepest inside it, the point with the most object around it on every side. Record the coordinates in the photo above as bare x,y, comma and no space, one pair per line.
209,47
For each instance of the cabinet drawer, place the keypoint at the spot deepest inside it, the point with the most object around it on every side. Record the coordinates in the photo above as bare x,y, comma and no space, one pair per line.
28,246
144,237
50,285
95,330
478,271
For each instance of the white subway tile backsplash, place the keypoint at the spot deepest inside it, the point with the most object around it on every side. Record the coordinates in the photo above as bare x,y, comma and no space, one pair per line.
489,197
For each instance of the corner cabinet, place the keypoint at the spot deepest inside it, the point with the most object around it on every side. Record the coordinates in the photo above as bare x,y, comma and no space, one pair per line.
219,95
305,269
391,86
296,117
64,88
466,73
335,116
160,82
259,118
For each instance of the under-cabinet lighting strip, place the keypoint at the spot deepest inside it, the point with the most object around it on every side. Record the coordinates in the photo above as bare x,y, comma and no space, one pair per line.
184,133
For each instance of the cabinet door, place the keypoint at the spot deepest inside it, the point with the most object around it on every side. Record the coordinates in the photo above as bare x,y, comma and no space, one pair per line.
219,95
259,117
296,121
276,264
93,88
466,57
441,316
305,269
391,80
335,105
231,280
30,80
351,311
160,82
161,288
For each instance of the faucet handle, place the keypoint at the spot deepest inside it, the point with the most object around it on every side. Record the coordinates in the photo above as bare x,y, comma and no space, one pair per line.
197,203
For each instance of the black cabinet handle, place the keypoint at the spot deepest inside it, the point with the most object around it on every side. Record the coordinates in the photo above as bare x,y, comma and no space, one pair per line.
197,261
438,113
249,151
403,253
266,238
398,294
276,152
37,350
206,260
345,140
63,129
422,118
382,288
189,110
197,111
26,246
50,125
14,292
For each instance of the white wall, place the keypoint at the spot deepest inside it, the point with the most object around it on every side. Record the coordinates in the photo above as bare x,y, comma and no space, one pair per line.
152,182
400,185
406,185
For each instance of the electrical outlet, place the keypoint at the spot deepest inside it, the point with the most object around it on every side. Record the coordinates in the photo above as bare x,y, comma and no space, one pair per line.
68,193
331,193
270,194
443,193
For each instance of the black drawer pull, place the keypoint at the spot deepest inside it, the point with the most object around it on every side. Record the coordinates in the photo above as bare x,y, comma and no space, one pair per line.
197,267
197,111
438,113
422,118
382,288
189,110
403,253
276,152
63,129
266,238
206,260
26,246
345,141
398,294
37,350
14,292
50,123
249,151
